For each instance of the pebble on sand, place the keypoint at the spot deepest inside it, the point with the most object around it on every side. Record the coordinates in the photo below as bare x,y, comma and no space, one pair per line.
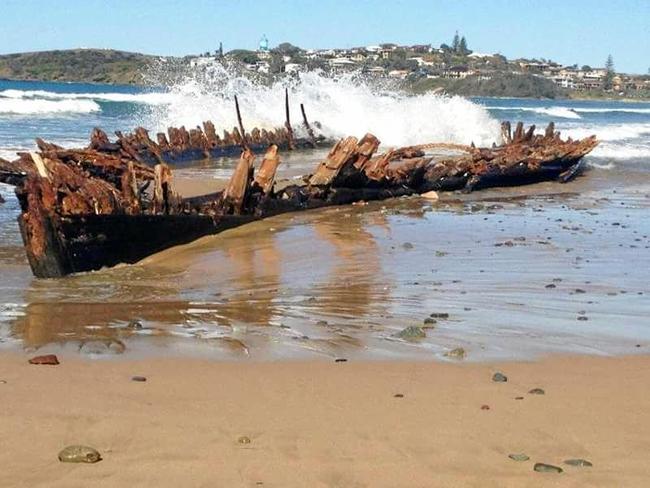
518,457
547,468
412,333
536,391
499,378
79,454
439,315
457,353
244,440
578,463
48,359
139,378
430,195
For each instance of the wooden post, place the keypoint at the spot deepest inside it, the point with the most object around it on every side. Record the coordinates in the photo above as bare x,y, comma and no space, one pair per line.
287,123
265,176
40,165
312,138
234,196
244,144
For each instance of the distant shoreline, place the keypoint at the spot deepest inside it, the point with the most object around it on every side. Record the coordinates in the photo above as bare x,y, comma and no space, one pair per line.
143,86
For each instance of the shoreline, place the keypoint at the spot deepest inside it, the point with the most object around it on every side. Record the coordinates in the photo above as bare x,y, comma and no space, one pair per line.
314,423
144,87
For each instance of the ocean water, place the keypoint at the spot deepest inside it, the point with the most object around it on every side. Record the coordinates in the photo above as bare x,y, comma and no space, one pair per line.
343,281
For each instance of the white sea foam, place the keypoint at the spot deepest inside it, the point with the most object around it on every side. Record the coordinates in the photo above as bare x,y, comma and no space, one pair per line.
621,151
345,105
609,132
152,98
555,111
18,106
9,153
608,110
573,112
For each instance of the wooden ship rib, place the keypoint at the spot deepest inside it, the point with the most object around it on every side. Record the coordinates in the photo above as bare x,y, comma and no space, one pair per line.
110,203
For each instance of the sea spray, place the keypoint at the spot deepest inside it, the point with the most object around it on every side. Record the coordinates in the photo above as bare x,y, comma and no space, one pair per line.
345,104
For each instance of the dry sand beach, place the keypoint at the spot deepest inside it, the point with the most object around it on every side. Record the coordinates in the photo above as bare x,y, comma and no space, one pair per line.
198,423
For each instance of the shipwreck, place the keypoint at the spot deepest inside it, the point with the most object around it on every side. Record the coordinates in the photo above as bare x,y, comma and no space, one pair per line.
114,202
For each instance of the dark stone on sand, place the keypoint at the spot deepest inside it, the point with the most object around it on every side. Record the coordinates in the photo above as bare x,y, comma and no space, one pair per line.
429,321
139,378
412,333
485,407
499,378
407,245
583,318
244,440
321,323
551,285
135,325
79,454
48,359
398,395
582,463
579,291
519,398
439,315
518,457
547,468
340,360
537,391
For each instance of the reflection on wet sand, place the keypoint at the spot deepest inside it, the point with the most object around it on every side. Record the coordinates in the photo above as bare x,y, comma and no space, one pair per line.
355,280
340,282
227,289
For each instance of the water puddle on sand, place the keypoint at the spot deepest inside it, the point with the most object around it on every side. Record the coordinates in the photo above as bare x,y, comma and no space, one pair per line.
519,271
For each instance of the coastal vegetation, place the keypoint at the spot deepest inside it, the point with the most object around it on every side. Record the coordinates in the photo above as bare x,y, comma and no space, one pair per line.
499,85
85,65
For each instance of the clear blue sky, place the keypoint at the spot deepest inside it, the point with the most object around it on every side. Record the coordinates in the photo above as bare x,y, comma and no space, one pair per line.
568,31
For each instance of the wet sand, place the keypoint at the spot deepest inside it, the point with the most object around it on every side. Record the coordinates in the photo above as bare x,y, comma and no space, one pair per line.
324,423
520,271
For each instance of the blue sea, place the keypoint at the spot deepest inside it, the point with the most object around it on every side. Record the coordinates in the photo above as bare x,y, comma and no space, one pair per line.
267,290
65,113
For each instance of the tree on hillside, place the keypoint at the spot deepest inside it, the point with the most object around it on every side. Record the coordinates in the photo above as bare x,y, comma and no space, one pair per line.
287,49
462,48
586,67
609,73
455,45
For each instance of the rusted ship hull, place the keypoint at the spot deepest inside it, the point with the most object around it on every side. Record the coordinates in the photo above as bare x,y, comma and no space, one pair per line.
86,209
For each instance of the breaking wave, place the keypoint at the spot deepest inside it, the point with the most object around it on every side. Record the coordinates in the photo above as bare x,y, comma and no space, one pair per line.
152,98
346,105
613,110
621,151
610,132
556,112
19,106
